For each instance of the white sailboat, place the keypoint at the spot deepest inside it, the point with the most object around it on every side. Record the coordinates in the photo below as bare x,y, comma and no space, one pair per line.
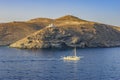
72,57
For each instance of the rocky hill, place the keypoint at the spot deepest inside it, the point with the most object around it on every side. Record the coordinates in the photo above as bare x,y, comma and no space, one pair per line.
41,21
13,31
70,31
117,28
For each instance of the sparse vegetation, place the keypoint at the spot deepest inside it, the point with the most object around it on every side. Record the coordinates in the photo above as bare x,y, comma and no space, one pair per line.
70,31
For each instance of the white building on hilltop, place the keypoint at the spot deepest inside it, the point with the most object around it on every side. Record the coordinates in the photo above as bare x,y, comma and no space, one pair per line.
51,25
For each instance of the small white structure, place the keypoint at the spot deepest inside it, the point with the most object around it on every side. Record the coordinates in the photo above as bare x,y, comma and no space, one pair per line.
51,25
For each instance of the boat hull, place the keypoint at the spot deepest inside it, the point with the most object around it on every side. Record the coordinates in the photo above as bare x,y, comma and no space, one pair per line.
71,58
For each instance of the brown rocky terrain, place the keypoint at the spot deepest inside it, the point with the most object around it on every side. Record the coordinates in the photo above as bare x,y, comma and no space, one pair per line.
13,31
41,21
117,28
70,31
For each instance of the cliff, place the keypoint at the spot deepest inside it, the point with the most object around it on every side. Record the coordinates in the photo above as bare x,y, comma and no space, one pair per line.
70,31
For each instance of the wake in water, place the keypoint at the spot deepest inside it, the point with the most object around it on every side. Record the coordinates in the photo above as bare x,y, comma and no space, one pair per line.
41,59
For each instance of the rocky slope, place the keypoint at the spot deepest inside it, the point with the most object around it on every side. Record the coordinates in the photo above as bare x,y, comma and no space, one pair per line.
13,31
41,21
70,31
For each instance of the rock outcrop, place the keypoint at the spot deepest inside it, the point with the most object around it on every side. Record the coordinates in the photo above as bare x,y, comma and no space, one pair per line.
13,31
70,32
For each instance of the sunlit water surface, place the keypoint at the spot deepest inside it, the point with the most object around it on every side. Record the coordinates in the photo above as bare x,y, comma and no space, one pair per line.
95,64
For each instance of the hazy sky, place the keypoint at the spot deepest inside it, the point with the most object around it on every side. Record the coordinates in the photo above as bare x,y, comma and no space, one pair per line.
105,11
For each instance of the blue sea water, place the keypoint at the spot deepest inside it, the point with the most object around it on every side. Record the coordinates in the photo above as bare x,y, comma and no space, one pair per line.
95,64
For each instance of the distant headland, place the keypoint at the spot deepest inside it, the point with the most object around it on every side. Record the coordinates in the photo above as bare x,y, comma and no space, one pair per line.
63,32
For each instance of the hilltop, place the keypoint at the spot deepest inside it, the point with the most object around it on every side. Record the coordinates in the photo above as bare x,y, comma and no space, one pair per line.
13,31
70,31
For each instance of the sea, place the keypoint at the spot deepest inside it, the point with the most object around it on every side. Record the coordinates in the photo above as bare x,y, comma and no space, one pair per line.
47,64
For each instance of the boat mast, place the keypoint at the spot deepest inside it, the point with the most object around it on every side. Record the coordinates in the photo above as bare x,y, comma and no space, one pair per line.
75,51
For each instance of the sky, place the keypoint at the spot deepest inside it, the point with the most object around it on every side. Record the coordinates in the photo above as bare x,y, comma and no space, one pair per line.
103,11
